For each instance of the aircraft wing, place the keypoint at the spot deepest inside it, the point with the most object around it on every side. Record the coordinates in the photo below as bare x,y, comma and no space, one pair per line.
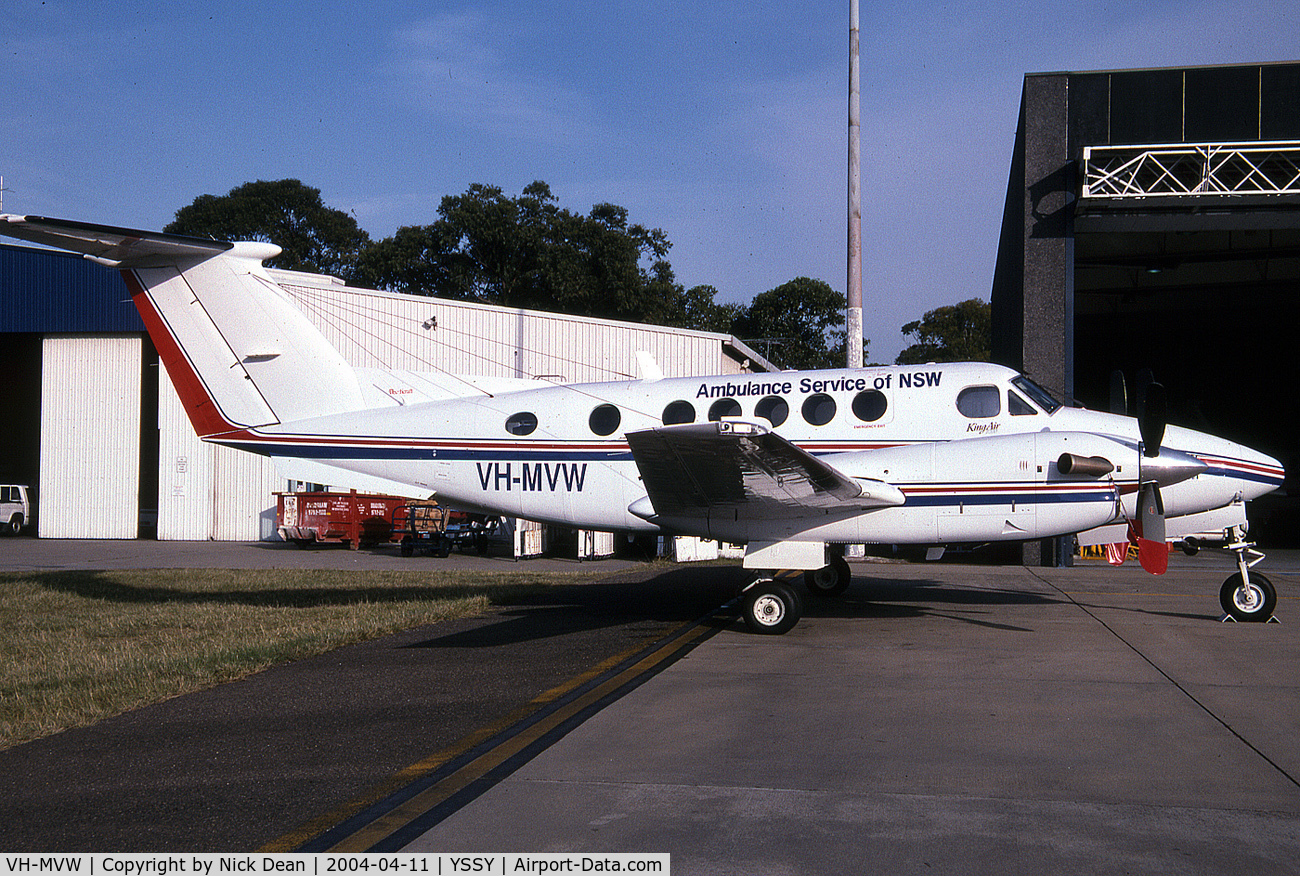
742,470
116,247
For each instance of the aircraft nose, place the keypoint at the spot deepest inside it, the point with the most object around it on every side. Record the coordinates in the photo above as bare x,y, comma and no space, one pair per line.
1258,472
1235,467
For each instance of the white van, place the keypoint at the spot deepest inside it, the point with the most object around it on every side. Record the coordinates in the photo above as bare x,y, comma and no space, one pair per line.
15,510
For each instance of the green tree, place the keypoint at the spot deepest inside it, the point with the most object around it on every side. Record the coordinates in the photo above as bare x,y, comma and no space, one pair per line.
801,322
287,213
697,309
960,332
529,252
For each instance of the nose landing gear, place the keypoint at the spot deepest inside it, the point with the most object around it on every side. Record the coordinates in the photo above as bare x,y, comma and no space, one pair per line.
1246,596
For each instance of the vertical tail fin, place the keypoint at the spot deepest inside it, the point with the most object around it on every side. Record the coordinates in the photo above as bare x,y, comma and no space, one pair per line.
238,350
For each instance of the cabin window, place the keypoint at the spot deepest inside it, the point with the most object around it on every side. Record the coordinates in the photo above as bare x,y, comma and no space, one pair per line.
978,402
773,409
724,407
870,405
1017,406
679,412
604,420
819,409
523,423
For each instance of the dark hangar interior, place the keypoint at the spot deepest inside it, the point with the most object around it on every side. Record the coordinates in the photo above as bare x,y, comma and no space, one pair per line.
1152,224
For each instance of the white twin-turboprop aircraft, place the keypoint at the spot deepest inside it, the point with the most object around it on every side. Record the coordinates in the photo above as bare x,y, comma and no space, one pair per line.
790,464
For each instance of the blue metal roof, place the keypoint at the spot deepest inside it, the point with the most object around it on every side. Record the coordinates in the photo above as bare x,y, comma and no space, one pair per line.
46,291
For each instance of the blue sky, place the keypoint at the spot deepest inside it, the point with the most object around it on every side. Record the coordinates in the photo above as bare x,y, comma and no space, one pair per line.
722,123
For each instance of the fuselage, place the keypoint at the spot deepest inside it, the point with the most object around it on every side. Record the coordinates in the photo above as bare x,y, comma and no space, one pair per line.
972,446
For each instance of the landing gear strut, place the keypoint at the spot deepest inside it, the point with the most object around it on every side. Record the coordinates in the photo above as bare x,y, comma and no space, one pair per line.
1246,596
771,606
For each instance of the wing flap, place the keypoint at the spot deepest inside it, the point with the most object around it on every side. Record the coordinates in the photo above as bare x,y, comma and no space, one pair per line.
698,469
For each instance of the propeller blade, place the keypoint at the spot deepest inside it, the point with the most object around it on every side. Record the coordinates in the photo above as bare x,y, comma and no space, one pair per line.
1143,379
1151,419
1151,513
1153,552
1118,394
1153,555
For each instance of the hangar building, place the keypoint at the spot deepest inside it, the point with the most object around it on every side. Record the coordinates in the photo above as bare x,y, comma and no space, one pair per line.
92,422
1152,221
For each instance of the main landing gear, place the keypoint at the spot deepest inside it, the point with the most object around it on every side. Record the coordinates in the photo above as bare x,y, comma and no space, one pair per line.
1246,595
772,606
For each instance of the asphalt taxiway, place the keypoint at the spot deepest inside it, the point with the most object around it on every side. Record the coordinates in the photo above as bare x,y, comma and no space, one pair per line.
938,718
943,719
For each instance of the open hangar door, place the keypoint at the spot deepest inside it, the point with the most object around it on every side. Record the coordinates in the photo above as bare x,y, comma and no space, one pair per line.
1207,302
20,396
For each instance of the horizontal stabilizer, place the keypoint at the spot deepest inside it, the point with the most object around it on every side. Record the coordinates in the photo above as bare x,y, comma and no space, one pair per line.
117,247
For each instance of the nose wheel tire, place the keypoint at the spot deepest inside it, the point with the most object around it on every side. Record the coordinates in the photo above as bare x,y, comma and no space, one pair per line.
1252,601
771,608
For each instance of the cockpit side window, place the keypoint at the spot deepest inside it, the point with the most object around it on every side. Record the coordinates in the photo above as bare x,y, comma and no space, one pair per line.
1018,407
1036,393
980,402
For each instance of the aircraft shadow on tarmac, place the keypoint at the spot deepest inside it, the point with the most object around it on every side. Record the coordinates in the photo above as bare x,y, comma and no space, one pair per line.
700,593
887,598
676,596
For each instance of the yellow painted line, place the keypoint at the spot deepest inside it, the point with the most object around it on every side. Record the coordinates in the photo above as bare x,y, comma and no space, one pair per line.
426,800
423,767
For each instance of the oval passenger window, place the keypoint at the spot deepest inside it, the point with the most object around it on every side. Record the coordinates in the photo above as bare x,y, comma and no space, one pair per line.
604,420
870,405
724,407
819,409
679,412
773,408
523,423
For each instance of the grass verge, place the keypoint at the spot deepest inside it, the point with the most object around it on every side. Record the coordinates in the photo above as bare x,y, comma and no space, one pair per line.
80,646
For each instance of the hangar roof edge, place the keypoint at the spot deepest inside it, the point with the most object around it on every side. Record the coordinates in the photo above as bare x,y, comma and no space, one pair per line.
1159,69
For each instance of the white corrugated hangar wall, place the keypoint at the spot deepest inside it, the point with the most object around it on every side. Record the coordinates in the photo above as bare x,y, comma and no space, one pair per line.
210,492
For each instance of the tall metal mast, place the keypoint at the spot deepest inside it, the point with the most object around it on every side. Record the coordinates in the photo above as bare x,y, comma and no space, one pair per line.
853,315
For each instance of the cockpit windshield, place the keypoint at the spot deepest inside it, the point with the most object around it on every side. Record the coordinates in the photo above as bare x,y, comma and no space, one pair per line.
1040,396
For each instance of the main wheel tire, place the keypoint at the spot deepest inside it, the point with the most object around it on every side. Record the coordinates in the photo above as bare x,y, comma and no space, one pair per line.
15,525
1253,603
772,608
830,580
